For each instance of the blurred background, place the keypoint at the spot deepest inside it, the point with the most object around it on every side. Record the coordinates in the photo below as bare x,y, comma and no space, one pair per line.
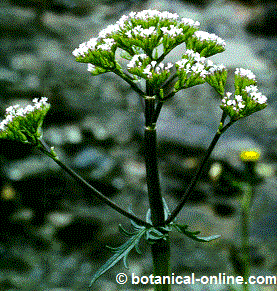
53,234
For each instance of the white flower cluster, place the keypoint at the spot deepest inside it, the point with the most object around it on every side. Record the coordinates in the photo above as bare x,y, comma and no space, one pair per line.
192,55
173,31
198,67
139,31
91,67
124,22
146,14
93,44
190,22
85,47
203,35
157,69
107,45
245,73
136,61
15,111
111,28
237,103
255,95
214,68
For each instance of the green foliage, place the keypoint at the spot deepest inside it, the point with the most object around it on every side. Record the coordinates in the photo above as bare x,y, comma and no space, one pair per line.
194,234
121,252
24,125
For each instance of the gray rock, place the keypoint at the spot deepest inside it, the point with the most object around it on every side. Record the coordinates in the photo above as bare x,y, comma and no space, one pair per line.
99,163
31,166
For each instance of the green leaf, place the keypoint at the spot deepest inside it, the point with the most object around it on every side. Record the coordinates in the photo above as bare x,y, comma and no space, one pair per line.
125,232
194,234
121,252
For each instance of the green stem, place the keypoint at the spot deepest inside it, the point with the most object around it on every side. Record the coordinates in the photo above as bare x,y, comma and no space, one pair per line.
149,110
45,149
199,173
161,248
152,177
128,79
161,262
246,206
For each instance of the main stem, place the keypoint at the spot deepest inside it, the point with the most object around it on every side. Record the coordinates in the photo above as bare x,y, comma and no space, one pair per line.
152,177
161,248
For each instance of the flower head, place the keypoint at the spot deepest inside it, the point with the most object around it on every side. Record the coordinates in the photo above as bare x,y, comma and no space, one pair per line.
137,32
24,124
250,155
206,44
216,76
247,99
245,73
144,39
209,37
155,73
191,70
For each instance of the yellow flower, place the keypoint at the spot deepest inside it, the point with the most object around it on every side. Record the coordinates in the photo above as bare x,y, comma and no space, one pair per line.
250,156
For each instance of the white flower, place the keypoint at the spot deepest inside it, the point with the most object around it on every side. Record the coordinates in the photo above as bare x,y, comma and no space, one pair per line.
168,15
157,69
262,99
197,68
148,14
107,45
236,104
195,56
29,108
214,68
203,35
124,19
252,91
10,110
135,61
91,67
238,98
15,111
240,105
144,32
245,73
21,112
44,100
169,65
251,88
147,71
173,31
109,30
83,48
184,65
190,22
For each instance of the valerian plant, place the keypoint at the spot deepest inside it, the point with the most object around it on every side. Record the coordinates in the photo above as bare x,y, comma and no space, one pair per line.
144,39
